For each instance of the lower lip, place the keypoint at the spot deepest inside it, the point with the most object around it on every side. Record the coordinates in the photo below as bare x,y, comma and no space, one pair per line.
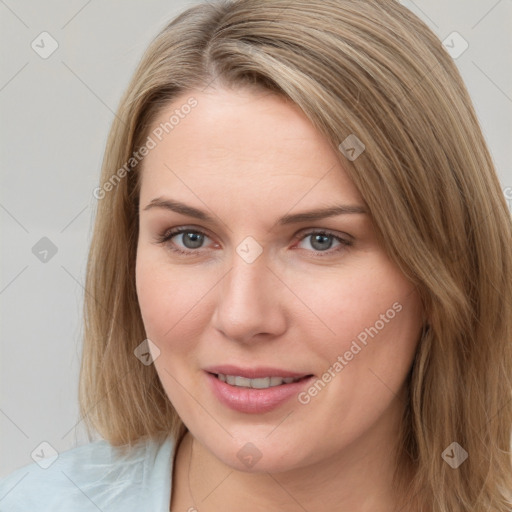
254,401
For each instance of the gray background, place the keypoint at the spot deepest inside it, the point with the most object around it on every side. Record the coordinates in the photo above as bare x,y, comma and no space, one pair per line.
55,115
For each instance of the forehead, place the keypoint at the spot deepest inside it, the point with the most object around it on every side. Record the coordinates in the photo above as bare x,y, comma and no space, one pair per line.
244,143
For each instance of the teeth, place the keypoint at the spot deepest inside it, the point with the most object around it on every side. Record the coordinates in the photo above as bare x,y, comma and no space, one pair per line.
261,383
240,381
277,381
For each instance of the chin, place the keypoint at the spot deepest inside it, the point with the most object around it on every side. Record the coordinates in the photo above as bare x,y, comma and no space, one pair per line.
262,455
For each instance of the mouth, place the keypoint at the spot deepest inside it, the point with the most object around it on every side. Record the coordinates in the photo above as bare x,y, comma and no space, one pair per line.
255,390
258,383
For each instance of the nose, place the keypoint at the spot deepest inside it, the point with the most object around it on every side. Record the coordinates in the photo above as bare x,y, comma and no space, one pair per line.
250,302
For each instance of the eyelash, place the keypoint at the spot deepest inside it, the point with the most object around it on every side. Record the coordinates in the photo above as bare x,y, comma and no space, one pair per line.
166,236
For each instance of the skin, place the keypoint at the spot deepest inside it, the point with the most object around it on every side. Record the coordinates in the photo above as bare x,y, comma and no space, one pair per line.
247,158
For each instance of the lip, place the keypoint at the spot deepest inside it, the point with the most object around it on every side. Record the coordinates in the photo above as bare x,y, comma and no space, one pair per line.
253,373
250,400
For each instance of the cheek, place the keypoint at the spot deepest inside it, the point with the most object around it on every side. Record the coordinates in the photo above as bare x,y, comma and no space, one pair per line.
372,316
173,304
150,294
376,316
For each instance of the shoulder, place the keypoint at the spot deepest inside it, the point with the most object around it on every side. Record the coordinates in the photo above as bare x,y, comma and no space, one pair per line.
95,476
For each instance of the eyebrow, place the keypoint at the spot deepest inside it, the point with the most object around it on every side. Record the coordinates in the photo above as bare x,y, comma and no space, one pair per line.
312,215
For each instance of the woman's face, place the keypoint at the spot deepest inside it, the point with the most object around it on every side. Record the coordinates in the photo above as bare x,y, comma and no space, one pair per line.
259,285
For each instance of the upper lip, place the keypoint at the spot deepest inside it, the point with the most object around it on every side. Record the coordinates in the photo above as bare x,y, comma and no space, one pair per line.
253,373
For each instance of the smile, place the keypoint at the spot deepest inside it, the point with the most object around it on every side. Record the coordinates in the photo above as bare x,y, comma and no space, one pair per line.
257,390
260,383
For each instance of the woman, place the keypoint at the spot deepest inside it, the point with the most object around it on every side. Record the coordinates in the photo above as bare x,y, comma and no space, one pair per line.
298,289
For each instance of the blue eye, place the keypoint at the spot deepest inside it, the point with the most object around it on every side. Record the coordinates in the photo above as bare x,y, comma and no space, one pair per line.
191,239
322,241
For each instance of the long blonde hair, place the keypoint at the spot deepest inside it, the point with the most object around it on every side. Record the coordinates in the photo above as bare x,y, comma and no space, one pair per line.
355,67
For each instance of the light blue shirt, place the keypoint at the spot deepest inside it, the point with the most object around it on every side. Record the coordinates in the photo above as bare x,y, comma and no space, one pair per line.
95,477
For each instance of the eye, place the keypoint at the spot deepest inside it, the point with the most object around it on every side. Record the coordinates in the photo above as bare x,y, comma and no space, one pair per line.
187,239
321,241
191,239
